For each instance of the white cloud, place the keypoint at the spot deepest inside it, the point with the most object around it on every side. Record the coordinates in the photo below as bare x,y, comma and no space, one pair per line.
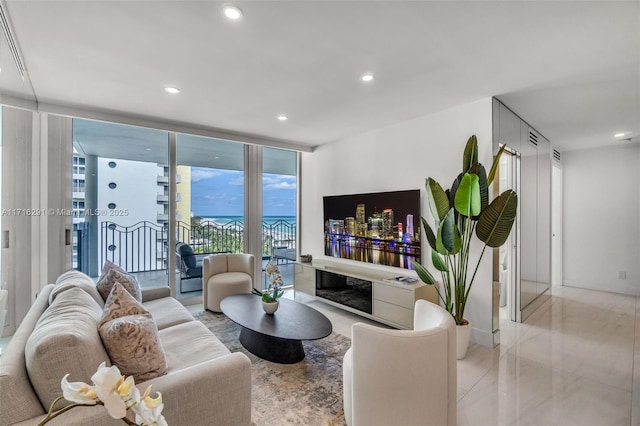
198,174
271,182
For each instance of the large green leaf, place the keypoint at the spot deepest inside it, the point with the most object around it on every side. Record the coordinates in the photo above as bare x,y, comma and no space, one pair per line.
467,201
479,170
431,237
497,219
470,156
448,240
494,166
424,275
438,200
438,262
454,189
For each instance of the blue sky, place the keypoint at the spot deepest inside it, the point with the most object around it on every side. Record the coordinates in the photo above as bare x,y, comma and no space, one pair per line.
216,192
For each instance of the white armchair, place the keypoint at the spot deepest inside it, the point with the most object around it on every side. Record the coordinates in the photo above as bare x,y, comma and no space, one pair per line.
403,377
224,275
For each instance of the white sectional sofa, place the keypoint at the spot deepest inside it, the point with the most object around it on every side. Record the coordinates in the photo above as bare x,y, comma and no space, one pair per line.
205,383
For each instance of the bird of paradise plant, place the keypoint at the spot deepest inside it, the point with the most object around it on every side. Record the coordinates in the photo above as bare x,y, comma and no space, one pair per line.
458,213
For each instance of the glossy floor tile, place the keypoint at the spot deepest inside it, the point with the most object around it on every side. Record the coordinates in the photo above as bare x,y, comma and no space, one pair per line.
575,361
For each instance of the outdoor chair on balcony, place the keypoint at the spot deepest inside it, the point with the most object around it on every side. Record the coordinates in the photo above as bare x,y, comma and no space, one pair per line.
190,264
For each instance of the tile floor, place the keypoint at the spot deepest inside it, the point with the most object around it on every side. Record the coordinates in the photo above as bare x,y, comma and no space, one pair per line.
576,361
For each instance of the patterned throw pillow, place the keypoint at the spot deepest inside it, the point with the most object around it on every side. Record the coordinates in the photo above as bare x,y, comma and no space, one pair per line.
120,303
133,344
130,336
108,266
128,281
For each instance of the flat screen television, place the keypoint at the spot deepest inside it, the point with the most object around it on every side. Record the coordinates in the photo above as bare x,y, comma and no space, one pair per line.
381,228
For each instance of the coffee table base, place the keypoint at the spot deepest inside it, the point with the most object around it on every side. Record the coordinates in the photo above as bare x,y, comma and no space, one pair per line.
274,349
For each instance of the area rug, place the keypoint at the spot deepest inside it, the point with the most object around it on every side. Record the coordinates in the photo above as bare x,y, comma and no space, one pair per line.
306,393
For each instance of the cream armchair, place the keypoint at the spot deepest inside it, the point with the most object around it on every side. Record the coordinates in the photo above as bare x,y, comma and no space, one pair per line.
224,275
403,377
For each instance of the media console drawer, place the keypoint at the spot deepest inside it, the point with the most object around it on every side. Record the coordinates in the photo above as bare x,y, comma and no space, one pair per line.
394,313
305,278
394,295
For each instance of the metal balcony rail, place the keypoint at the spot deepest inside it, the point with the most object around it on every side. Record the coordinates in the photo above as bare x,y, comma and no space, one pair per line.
144,246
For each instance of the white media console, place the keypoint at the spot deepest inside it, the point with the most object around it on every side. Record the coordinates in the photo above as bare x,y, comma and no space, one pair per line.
391,302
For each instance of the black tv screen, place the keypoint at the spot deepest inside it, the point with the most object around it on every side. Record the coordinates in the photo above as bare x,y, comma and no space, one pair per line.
381,228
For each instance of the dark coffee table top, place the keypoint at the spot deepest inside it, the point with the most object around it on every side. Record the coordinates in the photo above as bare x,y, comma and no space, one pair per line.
292,320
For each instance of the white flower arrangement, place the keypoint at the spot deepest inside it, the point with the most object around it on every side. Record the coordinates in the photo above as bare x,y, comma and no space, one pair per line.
274,292
116,393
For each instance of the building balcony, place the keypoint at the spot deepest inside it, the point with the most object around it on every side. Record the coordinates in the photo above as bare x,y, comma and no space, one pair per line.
162,198
165,179
163,217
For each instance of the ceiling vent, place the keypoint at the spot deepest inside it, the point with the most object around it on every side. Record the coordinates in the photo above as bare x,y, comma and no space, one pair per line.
533,138
556,156
11,42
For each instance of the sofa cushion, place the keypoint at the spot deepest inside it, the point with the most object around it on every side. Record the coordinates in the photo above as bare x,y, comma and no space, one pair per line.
73,278
134,346
202,345
64,340
128,281
120,303
167,312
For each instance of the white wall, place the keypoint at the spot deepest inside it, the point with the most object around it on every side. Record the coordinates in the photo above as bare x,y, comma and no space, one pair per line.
601,218
401,157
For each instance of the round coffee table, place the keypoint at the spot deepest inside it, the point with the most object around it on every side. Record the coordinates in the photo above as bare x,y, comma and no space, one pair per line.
278,337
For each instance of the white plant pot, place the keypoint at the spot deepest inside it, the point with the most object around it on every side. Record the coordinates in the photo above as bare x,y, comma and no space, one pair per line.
463,335
270,307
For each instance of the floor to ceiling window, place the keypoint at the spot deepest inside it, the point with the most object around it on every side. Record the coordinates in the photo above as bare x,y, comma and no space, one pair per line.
209,200
119,182
279,203
123,200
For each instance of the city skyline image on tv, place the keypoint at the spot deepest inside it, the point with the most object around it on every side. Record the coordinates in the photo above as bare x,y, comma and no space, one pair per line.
381,228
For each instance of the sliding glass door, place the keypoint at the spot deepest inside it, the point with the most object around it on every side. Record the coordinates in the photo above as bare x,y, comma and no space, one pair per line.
209,201
279,204
119,213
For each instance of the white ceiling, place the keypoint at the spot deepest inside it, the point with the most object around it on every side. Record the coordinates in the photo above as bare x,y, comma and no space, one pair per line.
571,69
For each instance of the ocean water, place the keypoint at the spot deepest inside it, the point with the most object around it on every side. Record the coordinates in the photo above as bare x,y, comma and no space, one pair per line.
269,220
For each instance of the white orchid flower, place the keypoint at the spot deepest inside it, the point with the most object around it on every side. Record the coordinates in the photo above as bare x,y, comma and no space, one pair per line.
128,392
78,392
107,380
272,268
148,411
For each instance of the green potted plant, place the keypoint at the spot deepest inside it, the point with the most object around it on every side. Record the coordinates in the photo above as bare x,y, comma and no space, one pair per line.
458,213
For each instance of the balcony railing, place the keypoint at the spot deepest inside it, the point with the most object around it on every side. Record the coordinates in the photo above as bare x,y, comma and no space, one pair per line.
144,246
136,248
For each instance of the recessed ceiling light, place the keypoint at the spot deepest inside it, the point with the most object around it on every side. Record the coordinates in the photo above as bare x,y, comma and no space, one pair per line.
147,149
232,12
172,90
283,117
619,135
367,77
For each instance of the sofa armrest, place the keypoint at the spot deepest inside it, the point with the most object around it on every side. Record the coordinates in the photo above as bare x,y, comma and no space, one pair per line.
215,392
153,293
